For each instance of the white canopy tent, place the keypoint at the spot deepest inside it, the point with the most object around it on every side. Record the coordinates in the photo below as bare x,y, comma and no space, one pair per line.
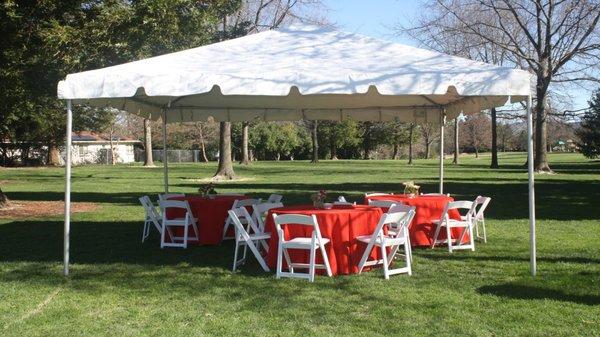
302,72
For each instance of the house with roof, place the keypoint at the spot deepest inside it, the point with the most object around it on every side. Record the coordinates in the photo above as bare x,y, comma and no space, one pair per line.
94,148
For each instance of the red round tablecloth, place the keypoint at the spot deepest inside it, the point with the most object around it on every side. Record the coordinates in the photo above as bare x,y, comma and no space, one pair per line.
211,215
428,208
341,225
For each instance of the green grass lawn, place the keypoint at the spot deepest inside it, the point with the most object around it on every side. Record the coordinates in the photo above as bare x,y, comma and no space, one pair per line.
120,287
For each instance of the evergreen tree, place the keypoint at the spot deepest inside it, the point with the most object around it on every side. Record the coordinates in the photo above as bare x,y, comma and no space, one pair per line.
589,133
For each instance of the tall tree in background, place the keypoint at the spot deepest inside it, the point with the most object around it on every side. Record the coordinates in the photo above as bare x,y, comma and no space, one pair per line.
556,40
589,132
148,160
429,134
494,163
411,141
315,141
456,146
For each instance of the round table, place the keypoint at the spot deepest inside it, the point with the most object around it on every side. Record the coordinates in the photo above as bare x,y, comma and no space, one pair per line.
428,209
341,225
211,214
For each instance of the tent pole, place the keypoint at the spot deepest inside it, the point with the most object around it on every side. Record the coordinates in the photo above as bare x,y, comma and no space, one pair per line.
67,226
165,161
442,122
533,264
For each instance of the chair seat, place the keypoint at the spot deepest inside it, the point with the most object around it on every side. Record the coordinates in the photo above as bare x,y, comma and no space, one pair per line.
388,239
452,223
262,236
302,243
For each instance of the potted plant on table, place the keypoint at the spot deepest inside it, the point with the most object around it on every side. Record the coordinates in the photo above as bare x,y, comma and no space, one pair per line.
318,199
207,190
411,189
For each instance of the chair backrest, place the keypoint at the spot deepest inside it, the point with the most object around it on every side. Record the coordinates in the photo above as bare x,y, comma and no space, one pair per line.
236,215
245,203
260,210
274,198
151,212
296,219
458,205
383,203
166,204
407,212
479,206
167,196
391,219
342,198
374,194
342,201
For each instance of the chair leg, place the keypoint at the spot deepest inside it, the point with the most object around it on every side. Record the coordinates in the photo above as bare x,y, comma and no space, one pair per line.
471,237
385,263
235,254
185,235
286,254
435,235
449,238
279,260
408,255
364,258
311,264
144,231
326,260
250,244
162,237
484,233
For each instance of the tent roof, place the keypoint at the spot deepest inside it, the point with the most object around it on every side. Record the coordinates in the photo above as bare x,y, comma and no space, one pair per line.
300,72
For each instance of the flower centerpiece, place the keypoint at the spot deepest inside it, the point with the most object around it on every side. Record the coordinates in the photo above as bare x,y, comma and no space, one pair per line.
318,198
207,190
411,189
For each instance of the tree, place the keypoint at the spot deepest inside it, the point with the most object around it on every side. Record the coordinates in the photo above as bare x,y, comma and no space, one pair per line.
411,140
555,40
589,131
456,146
476,132
225,168
4,202
148,160
245,153
429,134
315,141
494,163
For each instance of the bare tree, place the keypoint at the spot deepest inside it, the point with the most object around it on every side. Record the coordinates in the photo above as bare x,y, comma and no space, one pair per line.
148,160
411,138
429,134
4,202
456,146
556,40
476,132
315,141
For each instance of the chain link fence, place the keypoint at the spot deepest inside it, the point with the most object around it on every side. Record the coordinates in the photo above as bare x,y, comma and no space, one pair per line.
173,156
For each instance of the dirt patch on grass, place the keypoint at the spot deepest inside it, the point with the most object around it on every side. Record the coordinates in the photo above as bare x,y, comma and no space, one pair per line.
32,209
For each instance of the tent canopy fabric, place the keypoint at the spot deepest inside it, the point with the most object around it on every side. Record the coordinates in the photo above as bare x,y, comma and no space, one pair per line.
301,72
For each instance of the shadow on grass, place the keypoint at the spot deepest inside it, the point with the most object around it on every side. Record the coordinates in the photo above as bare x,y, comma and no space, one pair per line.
495,258
524,292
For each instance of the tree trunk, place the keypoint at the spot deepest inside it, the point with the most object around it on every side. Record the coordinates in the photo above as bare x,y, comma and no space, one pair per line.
367,141
333,143
456,147
112,146
494,163
427,147
4,202
396,150
202,145
245,153
540,161
476,150
148,143
225,169
410,143
53,155
315,142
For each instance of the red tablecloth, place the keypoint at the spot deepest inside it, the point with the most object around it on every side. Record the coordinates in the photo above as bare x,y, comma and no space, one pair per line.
211,215
428,208
341,225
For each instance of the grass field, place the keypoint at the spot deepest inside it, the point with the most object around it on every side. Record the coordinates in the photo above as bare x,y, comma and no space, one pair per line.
120,287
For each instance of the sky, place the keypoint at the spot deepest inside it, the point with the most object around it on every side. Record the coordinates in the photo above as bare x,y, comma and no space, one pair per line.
377,18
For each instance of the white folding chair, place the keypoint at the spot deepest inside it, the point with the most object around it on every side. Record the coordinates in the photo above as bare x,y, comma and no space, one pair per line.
237,204
312,243
152,217
167,196
343,201
245,239
395,230
187,221
477,213
259,212
435,194
400,221
466,225
384,203
274,198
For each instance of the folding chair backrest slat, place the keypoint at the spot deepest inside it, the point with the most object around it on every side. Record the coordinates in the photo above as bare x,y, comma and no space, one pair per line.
151,212
383,203
458,205
260,210
479,206
274,198
245,203
236,215
297,219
